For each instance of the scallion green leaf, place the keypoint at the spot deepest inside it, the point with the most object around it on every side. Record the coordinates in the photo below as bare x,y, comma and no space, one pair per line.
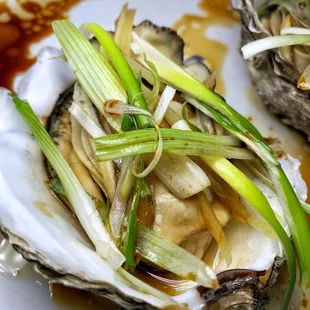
91,69
258,46
170,256
177,147
127,123
129,249
139,136
130,83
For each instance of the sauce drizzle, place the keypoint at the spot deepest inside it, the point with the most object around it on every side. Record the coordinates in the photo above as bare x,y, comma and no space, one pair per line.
192,29
80,300
22,26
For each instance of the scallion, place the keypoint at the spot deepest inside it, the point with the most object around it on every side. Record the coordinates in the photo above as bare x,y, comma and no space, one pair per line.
170,256
130,83
139,136
86,122
91,69
258,46
163,104
83,205
177,147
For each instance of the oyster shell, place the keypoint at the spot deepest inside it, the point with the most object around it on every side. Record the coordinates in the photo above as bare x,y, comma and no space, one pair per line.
49,236
274,77
165,39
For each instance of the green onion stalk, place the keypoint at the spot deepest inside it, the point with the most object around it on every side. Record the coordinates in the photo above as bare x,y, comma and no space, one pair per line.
96,75
214,106
142,190
82,203
139,136
269,43
136,98
129,247
121,65
176,147
248,190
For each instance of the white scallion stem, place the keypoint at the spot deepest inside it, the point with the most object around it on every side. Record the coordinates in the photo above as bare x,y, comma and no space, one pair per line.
295,30
258,46
170,256
163,104
182,125
119,204
86,122
156,158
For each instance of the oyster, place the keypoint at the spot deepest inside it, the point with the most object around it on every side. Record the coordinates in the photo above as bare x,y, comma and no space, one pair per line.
279,75
48,234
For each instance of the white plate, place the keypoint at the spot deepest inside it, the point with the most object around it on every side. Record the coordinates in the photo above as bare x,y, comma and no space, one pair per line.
29,290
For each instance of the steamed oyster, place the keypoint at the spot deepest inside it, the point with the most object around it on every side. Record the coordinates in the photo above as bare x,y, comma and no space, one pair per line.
49,235
280,75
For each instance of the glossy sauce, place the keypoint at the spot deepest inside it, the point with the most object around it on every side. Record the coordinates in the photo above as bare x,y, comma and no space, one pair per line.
83,300
80,300
164,287
193,28
169,284
19,31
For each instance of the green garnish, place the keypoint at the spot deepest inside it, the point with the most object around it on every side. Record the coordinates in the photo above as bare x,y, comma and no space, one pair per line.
111,84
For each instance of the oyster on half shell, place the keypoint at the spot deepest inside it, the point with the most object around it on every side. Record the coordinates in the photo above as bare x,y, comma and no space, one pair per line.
279,75
47,234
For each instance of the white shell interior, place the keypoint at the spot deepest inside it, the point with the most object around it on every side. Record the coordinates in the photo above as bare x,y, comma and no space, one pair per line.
252,249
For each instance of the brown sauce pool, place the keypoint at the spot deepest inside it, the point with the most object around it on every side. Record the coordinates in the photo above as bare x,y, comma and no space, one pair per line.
18,32
193,28
80,300
84,300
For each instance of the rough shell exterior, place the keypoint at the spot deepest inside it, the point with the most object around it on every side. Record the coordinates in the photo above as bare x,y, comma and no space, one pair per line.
239,288
274,78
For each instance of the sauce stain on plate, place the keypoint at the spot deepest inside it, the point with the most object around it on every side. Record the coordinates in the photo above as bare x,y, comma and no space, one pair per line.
22,25
193,28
